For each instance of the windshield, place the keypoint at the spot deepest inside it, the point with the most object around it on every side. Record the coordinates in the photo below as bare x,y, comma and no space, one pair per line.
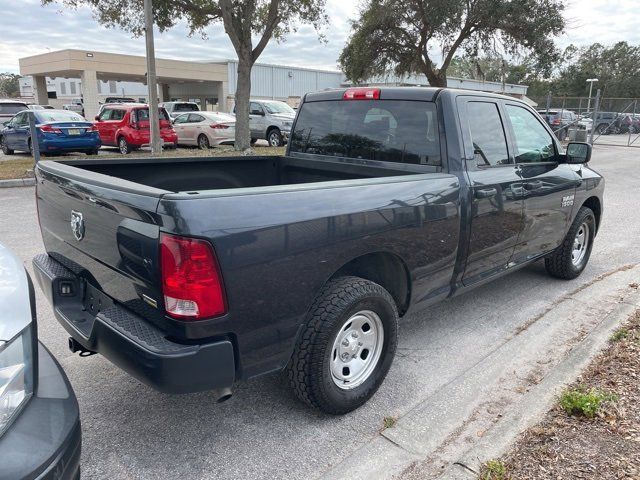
278,107
59,116
11,108
185,107
388,130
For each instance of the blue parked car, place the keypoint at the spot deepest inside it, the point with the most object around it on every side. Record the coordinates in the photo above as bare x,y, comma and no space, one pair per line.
59,131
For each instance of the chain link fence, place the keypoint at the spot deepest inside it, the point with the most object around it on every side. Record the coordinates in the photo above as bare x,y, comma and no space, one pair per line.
599,120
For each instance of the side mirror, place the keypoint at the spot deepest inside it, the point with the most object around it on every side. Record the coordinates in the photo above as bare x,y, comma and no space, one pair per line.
97,118
578,152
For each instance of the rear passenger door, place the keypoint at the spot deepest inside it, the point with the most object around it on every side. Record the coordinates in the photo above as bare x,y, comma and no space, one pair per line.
496,188
548,186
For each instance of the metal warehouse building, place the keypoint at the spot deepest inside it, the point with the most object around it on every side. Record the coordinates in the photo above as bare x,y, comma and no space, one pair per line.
71,76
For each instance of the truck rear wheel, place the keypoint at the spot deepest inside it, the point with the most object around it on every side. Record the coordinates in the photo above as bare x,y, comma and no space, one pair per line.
347,346
571,257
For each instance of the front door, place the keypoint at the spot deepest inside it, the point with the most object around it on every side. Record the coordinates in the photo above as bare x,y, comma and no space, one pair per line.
21,131
256,120
496,189
549,186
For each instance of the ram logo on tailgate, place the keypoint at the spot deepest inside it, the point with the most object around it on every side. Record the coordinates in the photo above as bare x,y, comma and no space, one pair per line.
77,225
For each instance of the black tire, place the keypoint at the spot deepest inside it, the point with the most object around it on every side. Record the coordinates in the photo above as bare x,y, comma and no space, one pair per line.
123,146
29,147
309,370
92,152
560,263
274,138
203,142
5,149
602,129
253,141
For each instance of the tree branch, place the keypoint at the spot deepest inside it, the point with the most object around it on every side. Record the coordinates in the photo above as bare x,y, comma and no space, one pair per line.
273,19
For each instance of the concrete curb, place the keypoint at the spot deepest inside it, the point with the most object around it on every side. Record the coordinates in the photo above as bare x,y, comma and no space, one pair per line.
428,432
540,398
17,182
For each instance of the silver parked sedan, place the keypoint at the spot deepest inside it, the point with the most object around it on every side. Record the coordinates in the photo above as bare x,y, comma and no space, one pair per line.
205,129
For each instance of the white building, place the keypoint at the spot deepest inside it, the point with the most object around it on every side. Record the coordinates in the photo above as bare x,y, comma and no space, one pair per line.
72,76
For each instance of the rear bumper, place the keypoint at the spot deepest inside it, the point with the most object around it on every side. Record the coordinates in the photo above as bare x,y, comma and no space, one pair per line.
128,340
44,441
69,144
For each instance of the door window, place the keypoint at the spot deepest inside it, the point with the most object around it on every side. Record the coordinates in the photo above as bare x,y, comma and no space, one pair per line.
181,119
106,113
533,142
193,118
487,134
21,120
255,109
117,114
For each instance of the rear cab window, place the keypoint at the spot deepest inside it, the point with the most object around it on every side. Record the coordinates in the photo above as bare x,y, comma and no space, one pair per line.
399,131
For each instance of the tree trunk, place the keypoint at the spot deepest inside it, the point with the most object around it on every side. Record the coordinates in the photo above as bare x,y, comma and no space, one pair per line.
243,93
437,78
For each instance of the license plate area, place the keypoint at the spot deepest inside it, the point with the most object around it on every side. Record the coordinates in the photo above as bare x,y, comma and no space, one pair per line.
94,301
74,131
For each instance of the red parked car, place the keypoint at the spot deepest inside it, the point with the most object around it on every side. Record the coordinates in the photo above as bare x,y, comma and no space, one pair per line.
126,126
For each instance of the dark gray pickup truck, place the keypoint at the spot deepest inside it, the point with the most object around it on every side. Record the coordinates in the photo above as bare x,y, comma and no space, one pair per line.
195,273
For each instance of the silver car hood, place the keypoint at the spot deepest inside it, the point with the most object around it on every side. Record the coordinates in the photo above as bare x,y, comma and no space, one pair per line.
15,304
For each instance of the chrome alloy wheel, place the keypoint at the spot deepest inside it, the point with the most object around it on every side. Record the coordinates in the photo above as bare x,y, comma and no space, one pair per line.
580,244
356,350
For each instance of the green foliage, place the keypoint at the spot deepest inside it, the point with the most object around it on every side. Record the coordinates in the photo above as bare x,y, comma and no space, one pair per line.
9,86
389,422
405,36
617,68
493,470
243,21
619,335
584,402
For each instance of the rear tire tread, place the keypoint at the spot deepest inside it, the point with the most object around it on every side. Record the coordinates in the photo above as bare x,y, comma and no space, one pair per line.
303,368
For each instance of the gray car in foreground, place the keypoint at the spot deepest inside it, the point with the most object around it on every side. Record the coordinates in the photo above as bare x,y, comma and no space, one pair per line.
40,433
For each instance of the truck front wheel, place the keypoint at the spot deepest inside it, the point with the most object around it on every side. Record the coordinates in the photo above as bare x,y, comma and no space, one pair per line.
347,346
571,257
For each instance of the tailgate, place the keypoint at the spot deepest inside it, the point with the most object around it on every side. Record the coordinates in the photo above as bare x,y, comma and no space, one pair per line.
104,229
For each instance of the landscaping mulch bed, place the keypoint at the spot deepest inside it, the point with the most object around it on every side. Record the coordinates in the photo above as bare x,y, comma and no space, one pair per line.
605,446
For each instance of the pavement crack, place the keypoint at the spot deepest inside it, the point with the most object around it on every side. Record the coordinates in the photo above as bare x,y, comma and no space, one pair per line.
460,464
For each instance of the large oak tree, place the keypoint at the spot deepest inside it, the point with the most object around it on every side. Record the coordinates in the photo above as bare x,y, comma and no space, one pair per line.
422,36
250,25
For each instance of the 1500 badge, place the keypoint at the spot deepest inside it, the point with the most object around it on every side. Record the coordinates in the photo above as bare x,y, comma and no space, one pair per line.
567,200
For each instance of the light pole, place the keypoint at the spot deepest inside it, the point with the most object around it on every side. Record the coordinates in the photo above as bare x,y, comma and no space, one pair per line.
154,114
591,81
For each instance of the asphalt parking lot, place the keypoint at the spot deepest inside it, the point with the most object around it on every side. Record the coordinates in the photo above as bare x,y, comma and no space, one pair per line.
131,431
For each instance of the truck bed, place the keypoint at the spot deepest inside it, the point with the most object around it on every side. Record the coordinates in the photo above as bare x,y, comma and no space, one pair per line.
215,173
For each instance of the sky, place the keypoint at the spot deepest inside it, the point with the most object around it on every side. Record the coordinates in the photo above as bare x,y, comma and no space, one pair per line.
27,28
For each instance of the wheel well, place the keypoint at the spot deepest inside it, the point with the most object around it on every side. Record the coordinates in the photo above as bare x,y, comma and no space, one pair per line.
594,204
272,127
385,269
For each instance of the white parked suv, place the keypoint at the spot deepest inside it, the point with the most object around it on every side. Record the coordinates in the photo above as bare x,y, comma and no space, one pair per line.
178,108
270,120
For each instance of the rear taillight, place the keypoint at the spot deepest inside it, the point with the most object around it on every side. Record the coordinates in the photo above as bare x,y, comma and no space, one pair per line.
218,126
191,281
556,121
361,94
49,129
92,128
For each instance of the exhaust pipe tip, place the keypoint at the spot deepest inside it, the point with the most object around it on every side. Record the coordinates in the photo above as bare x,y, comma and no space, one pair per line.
223,394
76,346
